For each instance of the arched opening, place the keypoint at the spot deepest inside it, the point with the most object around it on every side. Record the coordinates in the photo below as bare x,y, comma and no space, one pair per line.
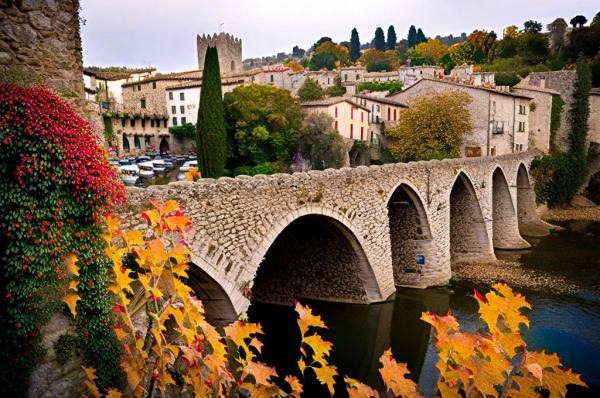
469,240
525,198
164,146
125,143
233,66
504,220
315,257
409,234
136,142
218,308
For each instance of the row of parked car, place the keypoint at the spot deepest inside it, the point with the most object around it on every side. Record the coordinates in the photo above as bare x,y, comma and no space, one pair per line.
134,169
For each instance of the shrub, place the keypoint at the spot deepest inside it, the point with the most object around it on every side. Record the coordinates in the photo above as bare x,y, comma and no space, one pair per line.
506,79
310,90
187,130
56,186
557,178
391,86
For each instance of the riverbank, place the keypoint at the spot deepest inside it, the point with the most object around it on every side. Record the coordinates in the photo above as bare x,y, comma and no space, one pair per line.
591,213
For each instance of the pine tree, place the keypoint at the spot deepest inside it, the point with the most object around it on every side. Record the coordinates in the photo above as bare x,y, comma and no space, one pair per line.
354,46
412,36
379,40
420,37
391,38
211,132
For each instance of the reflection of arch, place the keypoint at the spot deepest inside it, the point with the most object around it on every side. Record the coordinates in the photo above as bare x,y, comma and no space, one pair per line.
504,218
315,256
218,308
164,146
469,239
409,230
136,142
125,143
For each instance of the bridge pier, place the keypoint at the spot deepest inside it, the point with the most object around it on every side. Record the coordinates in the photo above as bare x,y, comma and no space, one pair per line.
504,216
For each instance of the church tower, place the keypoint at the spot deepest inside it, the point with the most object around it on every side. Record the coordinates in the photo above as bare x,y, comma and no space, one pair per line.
228,47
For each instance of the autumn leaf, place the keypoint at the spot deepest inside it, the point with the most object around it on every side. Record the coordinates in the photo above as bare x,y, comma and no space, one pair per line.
261,372
442,324
320,347
447,391
71,265
357,389
307,319
71,301
393,375
90,381
325,376
295,385
133,238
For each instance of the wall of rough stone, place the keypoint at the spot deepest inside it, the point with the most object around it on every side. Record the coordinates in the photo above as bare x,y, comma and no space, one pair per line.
237,220
229,49
594,122
564,83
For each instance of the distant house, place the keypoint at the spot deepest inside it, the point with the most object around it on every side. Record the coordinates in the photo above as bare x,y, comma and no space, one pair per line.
409,75
381,76
466,75
108,85
350,119
500,118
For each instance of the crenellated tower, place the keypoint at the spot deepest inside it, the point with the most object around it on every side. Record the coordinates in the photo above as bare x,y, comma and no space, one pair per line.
228,46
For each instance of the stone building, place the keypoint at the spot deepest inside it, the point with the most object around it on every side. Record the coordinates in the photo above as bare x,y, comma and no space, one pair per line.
500,118
466,75
382,76
228,47
351,119
409,75
108,85
353,74
136,135
558,36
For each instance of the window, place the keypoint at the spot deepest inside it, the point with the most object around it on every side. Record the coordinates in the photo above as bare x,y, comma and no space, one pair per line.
494,106
173,109
182,109
377,107
389,113
395,118
123,122
362,117
498,128
174,121
272,79
133,87
170,95
153,85
336,111
336,125
139,87
351,131
165,123
521,127
182,96
183,121
327,80
521,109
143,103
143,123
132,123
352,113
345,77
362,131
151,122
357,77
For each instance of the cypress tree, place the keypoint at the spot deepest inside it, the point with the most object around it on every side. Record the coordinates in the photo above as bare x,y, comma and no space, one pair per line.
379,40
391,38
580,112
354,46
412,36
420,37
211,133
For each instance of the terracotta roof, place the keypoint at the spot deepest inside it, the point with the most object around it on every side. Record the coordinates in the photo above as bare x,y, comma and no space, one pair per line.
116,75
383,100
198,83
491,90
167,76
332,101
537,88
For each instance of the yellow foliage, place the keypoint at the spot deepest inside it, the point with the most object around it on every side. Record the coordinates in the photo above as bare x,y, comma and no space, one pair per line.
193,174
432,49
341,53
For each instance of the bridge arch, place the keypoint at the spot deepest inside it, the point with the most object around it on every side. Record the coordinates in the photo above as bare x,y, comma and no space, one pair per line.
315,254
504,217
410,233
469,240
525,198
218,308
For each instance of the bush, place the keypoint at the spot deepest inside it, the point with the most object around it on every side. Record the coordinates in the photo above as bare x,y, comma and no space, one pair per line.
187,130
391,86
310,90
506,79
557,178
261,168
56,186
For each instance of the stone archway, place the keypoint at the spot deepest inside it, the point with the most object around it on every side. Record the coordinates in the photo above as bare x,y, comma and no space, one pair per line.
218,308
317,257
126,147
469,240
410,234
504,217
164,146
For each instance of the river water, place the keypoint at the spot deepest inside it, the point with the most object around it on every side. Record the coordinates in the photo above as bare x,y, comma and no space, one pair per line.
566,324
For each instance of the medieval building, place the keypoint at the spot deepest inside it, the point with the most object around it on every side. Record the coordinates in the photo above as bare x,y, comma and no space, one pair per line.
228,47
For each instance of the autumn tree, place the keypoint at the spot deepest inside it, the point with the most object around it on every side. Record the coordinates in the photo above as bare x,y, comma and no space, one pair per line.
391,38
412,36
294,65
461,53
329,53
324,60
321,143
310,90
377,61
211,136
532,26
321,41
432,128
431,51
263,125
354,46
379,42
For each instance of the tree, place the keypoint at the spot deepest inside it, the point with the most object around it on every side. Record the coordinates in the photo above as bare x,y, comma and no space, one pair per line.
354,46
578,20
534,48
310,90
379,42
596,20
321,143
431,51
595,70
432,128
211,137
511,31
297,52
532,26
412,36
420,37
580,111
506,79
377,61
341,53
294,65
337,90
324,60
391,38
321,41
508,47
461,53
263,124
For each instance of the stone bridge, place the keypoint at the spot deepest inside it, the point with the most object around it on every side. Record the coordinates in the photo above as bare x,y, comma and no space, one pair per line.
348,235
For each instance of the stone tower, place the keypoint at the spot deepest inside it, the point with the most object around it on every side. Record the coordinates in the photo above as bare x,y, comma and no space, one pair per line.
228,47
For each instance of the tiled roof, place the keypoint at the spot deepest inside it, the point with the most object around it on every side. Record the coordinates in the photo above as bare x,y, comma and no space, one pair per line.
198,83
507,93
383,100
116,75
332,101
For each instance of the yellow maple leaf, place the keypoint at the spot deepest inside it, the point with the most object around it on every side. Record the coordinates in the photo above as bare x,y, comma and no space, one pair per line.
447,391
307,319
71,301
261,372
357,389
442,324
71,264
295,385
177,223
133,238
320,348
525,387
90,381
393,375
325,376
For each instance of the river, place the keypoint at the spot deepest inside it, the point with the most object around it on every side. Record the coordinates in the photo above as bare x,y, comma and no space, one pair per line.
568,324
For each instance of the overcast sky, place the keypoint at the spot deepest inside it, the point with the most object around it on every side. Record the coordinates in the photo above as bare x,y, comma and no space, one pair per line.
162,33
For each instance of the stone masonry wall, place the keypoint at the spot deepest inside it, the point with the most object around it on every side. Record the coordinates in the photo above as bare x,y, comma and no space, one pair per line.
236,220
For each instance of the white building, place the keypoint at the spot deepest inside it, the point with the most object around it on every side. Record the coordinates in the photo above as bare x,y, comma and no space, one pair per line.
409,75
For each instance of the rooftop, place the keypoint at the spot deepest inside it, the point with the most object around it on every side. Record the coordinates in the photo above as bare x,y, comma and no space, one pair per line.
115,75
332,101
383,100
491,90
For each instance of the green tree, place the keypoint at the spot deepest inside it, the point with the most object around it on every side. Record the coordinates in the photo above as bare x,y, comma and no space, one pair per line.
506,79
211,138
379,41
391,38
321,41
321,143
323,60
432,128
337,90
534,48
420,37
595,70
532,26
578,20
263,125
354,46
508,47
310,90
580,111
412,36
